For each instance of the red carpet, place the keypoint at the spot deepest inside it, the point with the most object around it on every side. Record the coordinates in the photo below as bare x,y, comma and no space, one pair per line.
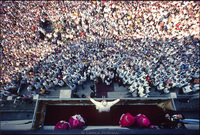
102,89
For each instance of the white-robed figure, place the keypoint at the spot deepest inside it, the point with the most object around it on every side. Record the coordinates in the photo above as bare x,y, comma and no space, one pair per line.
104,106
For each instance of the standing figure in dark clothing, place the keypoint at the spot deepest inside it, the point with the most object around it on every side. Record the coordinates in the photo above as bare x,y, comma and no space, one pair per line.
92,87
120,82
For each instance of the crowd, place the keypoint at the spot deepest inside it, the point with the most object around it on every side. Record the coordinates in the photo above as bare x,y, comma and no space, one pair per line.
137,43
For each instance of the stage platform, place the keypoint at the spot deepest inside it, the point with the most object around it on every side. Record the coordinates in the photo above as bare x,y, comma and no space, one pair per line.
49,112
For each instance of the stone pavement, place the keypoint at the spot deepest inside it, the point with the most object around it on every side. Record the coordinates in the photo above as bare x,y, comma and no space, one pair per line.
19,125
19,106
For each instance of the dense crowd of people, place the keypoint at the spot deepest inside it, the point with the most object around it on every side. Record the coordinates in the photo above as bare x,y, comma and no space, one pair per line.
63,43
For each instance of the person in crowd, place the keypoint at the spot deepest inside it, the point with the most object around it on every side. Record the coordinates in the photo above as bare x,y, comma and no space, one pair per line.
75,95
43,91
108,81
55,82
73,87
195,87
60,83
102,77
92,87
131,88
30,88
83,96
80,83
141,92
